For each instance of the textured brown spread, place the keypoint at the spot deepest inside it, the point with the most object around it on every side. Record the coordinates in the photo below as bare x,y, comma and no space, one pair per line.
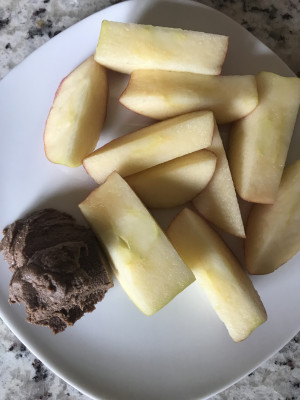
59,270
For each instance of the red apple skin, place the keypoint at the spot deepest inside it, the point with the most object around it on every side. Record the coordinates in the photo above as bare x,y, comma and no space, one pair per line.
55,95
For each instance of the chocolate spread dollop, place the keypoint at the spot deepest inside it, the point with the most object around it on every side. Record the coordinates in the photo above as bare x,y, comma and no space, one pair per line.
59,270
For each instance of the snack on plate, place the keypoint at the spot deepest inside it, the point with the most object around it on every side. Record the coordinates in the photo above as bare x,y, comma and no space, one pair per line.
174,182
77,114
218,202
273,230
59,270
142,258
151,145
259,143
125,47
227,286
165,94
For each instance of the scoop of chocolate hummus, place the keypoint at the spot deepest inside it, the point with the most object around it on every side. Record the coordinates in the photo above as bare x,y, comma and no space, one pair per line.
59,270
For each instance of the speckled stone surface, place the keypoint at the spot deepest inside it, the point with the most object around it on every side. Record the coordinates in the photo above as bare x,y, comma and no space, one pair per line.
26,25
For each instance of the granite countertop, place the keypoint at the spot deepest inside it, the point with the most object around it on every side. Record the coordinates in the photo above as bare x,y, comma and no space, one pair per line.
27,24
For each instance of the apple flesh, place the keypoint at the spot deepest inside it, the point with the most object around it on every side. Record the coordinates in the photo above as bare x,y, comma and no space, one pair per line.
218,201
273,231
165,94
143,260
125,47
227,286
77,115
152,145
174,182
259,143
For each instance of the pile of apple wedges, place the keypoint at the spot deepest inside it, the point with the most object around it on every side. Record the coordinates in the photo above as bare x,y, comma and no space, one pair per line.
181,161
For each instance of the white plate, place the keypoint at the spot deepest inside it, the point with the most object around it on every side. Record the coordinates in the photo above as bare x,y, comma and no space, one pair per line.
183,352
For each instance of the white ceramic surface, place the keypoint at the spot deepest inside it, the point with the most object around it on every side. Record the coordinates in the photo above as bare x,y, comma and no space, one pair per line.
183,352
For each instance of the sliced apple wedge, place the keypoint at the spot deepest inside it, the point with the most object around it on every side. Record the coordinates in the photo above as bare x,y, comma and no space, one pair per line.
77,115
174,182
259,143
226,284
273,231
125,47
218,202
152,145
165,94
143,260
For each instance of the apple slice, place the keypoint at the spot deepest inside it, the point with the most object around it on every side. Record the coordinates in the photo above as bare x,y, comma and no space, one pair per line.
273,231
259,143
143,260
165,94
226,284
218,202
152,145
77,115
174,182
126,47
